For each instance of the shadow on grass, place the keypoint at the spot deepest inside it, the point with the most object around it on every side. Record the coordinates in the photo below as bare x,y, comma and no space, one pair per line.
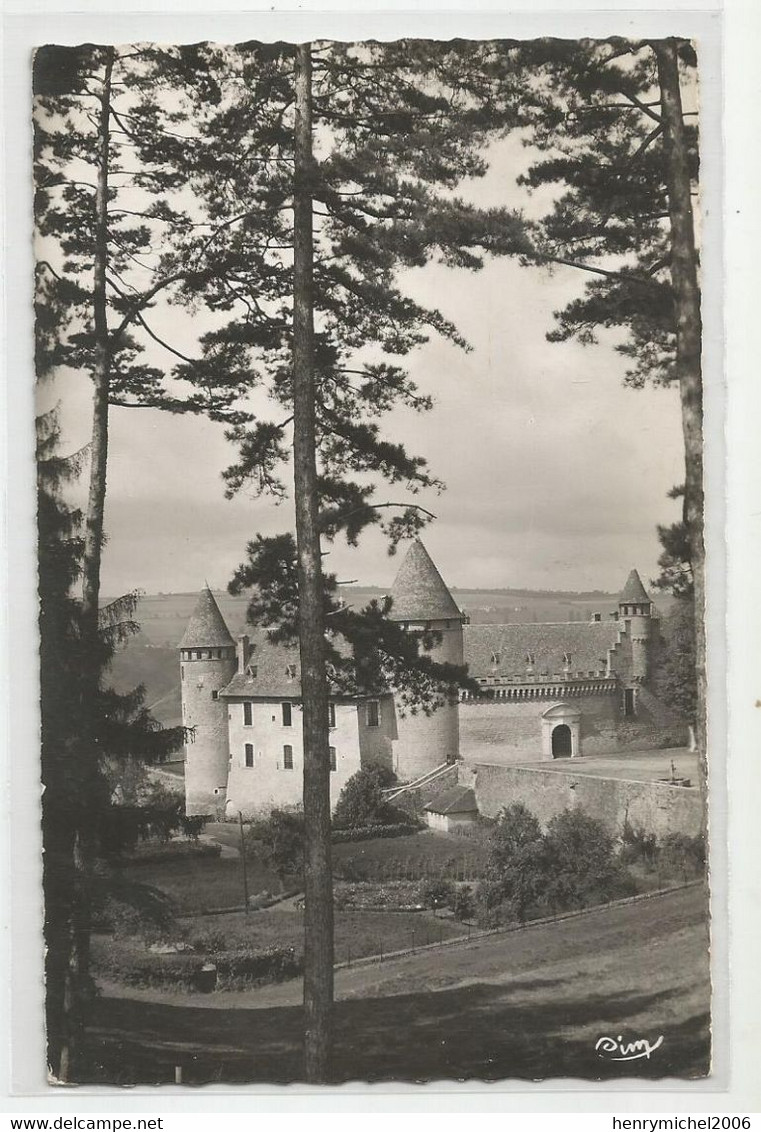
478,1031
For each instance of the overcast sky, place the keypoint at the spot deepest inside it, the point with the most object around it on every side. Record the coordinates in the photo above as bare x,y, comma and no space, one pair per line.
556,473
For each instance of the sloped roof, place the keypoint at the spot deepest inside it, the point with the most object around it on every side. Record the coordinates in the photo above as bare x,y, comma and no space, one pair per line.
206,627
456,800
419,592
501,650
634,591
273,671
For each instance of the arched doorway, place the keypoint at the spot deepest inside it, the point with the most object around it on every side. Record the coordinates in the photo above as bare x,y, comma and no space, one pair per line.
561,742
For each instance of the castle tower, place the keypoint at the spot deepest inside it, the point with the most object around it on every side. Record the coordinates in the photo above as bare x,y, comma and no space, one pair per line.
207,664
421,601
635,610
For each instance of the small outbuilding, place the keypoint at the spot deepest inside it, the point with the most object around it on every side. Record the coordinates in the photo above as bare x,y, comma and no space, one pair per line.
452,809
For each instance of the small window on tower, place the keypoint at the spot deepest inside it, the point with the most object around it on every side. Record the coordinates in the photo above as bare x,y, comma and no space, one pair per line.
629,701
287,757
248,715
215,695
373,713
249,754
332,752
287,714
331,715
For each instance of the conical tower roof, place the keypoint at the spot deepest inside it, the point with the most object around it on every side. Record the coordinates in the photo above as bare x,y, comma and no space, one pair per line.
419,592
633,591
206,628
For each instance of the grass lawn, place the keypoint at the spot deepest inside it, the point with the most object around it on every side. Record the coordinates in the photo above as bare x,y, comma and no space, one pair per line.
528,1005
205,883
355,933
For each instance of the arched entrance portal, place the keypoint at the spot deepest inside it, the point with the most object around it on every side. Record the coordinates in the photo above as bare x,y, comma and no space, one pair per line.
561,732
561,742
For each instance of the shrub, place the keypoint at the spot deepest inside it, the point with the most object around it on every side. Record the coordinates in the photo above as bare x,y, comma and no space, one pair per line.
192,827
464,905
361,801
182,970
683,857
580,864
437,893
638,848
280,840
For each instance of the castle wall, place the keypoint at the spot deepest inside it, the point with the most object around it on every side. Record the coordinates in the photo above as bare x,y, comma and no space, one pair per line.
268,784
650,806
510,731
206,756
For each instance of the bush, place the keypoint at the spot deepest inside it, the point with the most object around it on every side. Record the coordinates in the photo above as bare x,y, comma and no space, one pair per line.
463,905
437,893
279,839
361,802
682,857
580,864
530,874
182,969
638,848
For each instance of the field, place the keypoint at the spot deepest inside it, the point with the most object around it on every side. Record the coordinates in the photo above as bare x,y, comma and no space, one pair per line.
529,1004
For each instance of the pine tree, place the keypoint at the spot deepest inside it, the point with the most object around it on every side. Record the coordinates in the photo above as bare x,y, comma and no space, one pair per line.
622,150
79,729
325,170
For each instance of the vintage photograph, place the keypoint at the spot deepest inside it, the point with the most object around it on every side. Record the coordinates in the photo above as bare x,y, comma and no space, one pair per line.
371,561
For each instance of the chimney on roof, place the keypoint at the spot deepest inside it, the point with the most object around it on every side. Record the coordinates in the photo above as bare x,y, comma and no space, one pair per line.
242,652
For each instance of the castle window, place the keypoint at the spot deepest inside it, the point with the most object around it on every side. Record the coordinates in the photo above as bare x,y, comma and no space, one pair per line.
248,715
332,752
215,695
182,672
331,715
287,714
629,702
249,754
287,757
373,713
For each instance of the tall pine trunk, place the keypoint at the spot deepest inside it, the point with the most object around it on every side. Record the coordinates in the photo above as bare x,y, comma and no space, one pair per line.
101,369
82,833
318,912
684,280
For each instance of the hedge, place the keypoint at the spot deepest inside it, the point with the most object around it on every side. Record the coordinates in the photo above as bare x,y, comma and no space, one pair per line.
182,970
371,832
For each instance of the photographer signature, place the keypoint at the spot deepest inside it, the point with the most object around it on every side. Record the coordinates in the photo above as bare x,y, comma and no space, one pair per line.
626,1051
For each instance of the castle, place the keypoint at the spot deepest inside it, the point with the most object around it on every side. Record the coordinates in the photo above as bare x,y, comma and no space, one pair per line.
548,691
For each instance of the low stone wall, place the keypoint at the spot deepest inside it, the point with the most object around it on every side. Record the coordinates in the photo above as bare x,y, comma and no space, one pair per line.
651,806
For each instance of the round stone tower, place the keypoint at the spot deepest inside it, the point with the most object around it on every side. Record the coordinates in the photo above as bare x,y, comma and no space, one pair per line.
635,610
207,664
421,601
